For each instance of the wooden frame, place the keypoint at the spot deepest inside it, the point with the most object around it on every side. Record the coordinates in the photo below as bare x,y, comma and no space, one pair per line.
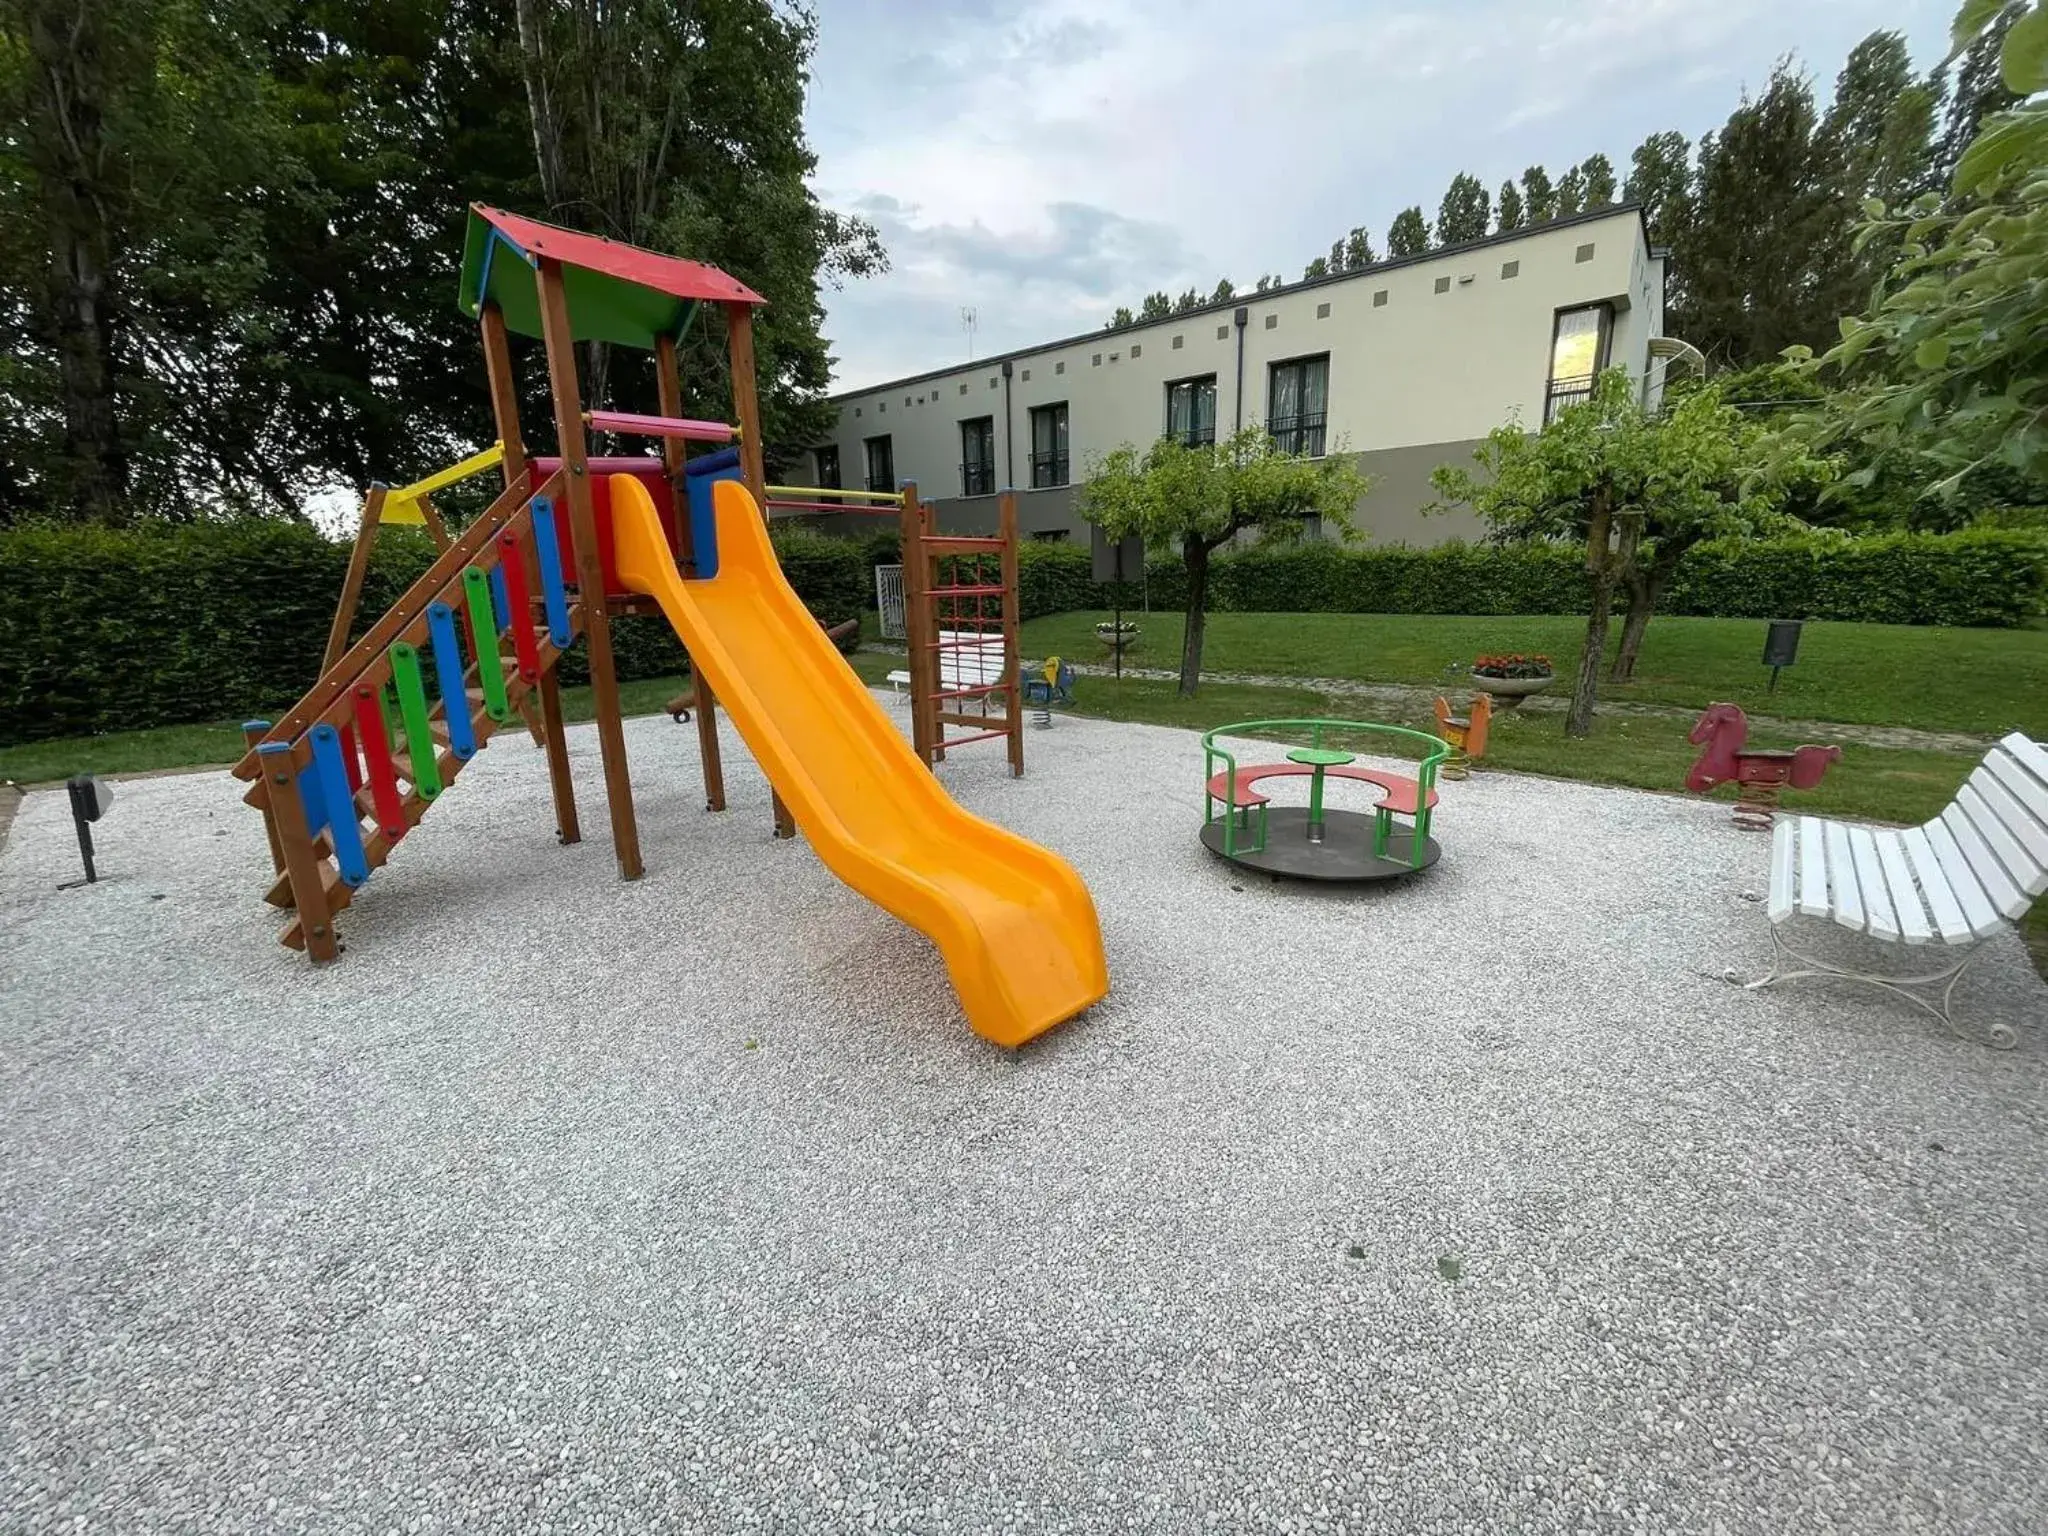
668,383
923,548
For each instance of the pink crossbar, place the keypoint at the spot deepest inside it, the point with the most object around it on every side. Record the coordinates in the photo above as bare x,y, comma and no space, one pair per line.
661,426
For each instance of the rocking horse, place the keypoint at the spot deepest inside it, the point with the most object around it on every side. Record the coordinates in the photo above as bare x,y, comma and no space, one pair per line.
1759,776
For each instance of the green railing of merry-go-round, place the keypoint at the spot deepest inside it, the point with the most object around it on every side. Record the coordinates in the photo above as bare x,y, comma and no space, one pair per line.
1425,773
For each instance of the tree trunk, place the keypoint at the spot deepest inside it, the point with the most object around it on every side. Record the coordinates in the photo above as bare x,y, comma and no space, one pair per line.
68,86
1194,555
1642,602
1586,688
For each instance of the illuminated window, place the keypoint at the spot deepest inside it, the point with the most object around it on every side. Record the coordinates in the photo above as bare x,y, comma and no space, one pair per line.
1578,351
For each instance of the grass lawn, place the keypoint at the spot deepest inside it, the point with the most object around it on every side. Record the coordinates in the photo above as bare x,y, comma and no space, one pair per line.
1982,680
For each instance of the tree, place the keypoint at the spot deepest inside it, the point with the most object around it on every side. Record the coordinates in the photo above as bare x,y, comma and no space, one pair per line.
1121,318
1358,251
1320,267
1538,195
1265,282
1465,211
1597,172
1638,489
1409,233
1199,499
1157,305
1660,178
1509,204
1336,263
1225,291
1877,128
1571,192
1951,363
1765,260
1191,299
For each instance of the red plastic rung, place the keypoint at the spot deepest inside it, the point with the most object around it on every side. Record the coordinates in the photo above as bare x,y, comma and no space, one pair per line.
512,561
968,591
962,741
377,757
661,426
969,693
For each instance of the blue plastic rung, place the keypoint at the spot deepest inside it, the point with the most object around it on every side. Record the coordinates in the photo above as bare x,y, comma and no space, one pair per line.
343,829
553,593
501,603
311,801
454,690
700,476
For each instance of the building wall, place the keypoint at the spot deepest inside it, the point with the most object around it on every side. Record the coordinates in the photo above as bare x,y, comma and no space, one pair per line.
1416,377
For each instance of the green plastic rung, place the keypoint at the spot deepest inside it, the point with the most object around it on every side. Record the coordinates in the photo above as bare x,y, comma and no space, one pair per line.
483,628
412,708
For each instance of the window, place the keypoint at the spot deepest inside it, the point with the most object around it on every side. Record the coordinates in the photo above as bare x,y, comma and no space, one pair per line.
1584,253
1578,351
1049,536
828,467
1059,367
1223,333
1379,298
1177,341
1510,269
1272,322
1297,404
1191,410
1137,352
1048,445
881,463
978,456
1098,361
1322,311
963,389
1443,285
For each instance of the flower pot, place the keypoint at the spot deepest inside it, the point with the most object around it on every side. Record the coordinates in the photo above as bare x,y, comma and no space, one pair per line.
1116,639
1508,692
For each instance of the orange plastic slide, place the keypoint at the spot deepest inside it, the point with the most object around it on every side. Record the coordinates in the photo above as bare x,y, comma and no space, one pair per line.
1014,923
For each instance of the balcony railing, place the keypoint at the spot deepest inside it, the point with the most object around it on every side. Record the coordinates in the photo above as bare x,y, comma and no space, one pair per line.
1048,469
886,484
1298,434
1193,437
1576,390
977,479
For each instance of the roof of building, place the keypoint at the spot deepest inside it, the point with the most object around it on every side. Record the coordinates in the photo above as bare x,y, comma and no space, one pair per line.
616,292
1391,264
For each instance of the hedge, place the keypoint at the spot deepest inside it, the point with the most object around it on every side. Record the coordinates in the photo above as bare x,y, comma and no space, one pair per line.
162,625
1982,577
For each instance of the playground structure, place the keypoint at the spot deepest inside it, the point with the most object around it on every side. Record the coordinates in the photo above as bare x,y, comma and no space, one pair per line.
1760,776
1315,842
572,542
1464,734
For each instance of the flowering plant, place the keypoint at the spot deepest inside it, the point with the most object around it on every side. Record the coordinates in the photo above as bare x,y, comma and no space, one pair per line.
1516,665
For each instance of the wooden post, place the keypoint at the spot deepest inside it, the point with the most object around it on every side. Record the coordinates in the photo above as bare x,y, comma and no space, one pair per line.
668,381
352,583
746,405
252,733
1006,517
280,772
920,632
590,595
512,443
567,828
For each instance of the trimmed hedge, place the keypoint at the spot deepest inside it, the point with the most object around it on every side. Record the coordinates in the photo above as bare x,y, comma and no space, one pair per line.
161,625
1993,578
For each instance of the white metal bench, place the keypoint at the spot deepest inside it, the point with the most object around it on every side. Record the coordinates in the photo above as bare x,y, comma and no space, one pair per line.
1958,879
977,662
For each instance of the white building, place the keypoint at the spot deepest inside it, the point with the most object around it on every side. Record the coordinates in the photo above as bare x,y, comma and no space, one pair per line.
1407,364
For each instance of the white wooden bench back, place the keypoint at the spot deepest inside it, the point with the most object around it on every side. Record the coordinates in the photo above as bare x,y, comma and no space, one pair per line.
1961,877
976,666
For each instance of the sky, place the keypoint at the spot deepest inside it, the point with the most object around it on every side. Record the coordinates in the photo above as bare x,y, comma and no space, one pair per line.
1044,162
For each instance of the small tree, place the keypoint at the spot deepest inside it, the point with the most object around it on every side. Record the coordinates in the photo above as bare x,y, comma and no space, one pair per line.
1122,318
1539,197
1510,213
1225,291
1320,267
1597,176
1637,489
1358,251
1408,235
1199,499
1465,211
1156,306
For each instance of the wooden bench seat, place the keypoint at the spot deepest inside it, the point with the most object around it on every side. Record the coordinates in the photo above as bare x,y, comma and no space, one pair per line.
1400,797
1960,878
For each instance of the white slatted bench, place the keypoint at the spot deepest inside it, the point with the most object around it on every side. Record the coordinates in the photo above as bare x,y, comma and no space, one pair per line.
977,663
1958,879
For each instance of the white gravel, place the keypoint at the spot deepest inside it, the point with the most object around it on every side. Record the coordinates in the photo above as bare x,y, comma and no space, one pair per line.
692,1205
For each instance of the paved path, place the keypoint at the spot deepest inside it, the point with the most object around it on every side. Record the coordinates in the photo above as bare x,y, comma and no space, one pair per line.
1403,700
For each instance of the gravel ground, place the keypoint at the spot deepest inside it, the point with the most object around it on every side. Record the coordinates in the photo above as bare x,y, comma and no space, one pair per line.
1478,1204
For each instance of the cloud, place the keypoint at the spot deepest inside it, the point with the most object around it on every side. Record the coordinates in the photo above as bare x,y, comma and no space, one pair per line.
1046,162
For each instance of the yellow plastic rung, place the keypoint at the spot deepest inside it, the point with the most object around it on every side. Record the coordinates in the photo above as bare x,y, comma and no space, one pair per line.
441,479
819,493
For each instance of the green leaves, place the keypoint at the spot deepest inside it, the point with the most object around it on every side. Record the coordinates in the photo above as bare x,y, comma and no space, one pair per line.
1972,19
2023,63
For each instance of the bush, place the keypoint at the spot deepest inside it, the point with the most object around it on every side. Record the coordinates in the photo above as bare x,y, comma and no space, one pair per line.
110,631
